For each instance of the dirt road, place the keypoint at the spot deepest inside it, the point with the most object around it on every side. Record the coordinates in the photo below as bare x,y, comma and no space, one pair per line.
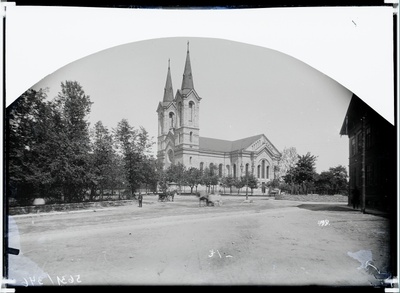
265,242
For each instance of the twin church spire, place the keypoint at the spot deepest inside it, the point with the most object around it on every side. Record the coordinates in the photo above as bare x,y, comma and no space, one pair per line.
168,90
187,81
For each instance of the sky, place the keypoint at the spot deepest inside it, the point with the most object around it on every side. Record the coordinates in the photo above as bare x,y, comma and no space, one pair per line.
245,89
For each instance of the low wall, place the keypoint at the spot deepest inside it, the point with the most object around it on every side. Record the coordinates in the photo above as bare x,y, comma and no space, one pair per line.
65,207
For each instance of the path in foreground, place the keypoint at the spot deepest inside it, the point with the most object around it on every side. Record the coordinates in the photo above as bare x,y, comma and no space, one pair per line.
265,242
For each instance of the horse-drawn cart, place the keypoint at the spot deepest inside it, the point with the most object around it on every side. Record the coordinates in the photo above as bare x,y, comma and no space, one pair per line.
209,199
167,196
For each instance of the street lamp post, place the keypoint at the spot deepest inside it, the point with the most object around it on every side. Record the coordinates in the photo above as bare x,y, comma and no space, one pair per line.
247,179
247,185
241,169
252,173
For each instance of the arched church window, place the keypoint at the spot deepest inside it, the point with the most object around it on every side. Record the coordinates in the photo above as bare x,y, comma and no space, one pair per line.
263,169
267,172
171,156
234,170
211,168
191,136
160,124
191,111
171,119
220,170
258,171
180,109
190,160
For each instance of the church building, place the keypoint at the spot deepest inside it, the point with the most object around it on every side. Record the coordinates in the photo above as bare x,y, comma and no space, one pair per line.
179,139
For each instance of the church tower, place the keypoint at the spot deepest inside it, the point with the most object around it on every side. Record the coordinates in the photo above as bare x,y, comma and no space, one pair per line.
178,121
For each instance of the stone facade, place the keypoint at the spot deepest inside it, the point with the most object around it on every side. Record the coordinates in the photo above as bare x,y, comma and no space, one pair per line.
179,139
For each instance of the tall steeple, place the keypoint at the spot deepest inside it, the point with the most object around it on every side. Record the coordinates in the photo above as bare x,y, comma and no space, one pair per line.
187,82
168,91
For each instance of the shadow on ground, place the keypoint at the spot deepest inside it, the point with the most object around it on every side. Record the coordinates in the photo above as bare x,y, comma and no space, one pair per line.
335,208
326,207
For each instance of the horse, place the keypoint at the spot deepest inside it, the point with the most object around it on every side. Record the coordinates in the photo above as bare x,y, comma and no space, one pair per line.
203,198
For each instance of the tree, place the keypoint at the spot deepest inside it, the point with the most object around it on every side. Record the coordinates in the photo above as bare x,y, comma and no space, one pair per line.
239,183
303,173
50,143
26,125
210,177
71,164
333,181
193,178
252,182
134,144
228,181
340,183
116,173
162,181
323,183
103,157
288,161
176,173
149,173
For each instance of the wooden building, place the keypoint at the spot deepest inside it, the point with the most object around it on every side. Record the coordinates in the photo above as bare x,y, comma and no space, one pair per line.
372,156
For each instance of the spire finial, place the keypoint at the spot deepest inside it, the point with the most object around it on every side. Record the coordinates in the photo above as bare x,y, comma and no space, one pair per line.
169,62
188,46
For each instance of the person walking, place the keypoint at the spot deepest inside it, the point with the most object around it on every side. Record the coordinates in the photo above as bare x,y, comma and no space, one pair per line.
356,198
140,199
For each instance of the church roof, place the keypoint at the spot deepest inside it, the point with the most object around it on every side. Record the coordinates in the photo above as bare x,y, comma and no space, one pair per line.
220,145
187,81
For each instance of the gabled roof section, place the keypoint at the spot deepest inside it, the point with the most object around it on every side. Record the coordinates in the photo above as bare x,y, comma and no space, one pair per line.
220,145
213,144
344,129
168,90
187,81
165,105
244,143
356,110
182,94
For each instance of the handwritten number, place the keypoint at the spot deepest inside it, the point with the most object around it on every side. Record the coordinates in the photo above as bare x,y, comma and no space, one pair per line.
323,223
32,280
40,281
78,278
50,279
61,280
